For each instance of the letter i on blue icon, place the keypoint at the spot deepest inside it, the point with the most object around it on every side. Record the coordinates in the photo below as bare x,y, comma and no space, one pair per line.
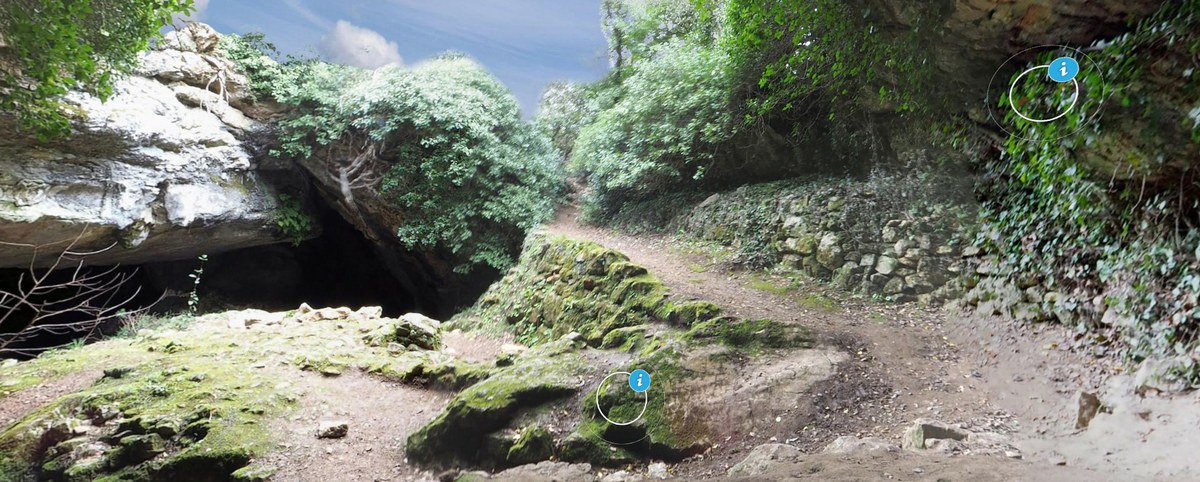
1063,69
639,380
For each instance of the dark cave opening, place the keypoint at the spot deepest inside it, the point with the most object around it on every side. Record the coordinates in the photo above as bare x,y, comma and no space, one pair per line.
340,267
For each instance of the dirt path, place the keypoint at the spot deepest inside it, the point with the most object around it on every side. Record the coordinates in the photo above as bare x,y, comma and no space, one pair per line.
17,405
981,372
381,415
901,347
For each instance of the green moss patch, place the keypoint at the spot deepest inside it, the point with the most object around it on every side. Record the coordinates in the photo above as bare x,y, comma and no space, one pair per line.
196,403
180,414
562,285
752,336
661,432
460,432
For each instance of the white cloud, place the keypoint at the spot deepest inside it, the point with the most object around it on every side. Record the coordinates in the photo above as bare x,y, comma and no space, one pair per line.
350,44
307,14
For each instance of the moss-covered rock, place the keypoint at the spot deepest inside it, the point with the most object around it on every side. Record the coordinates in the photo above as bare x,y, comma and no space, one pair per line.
752,335
459,433
562,285
253,473
659,430
691,312
535,444
409,330
194,402
434,369
158,421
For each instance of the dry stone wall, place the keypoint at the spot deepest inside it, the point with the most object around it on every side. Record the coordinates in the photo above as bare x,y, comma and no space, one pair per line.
895,237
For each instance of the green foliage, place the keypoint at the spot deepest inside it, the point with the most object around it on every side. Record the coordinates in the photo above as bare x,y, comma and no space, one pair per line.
196,275
1084,233
634,28
292,220
455,163
798,50
255,57
673,113
565,108
59,45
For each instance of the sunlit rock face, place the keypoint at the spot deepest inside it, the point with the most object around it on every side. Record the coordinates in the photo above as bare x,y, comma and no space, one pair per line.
164,169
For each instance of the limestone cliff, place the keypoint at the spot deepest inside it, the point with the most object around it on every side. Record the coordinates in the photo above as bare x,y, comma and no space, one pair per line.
167,168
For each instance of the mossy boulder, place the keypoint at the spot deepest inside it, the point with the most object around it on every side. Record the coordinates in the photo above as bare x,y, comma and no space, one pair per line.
459,433
689,313
195,401
660,430
751,335
410,330
429,368
535,444
157,422
562,285
624,339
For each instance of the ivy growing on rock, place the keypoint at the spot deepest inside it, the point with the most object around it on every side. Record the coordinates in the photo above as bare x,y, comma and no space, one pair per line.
1101,225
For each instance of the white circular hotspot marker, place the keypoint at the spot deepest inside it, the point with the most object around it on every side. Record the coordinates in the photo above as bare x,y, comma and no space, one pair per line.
1011,94
600,389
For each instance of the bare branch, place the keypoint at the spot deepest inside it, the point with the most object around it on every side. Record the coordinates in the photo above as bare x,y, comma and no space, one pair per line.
81,303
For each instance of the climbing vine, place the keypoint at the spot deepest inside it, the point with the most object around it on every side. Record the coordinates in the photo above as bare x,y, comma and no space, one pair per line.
1102,211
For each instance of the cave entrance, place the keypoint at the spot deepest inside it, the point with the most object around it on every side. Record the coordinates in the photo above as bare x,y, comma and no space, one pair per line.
338,268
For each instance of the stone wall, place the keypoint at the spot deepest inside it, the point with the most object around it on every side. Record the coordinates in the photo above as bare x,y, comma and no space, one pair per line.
890,236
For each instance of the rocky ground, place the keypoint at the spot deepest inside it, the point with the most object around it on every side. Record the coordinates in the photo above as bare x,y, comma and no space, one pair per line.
834,388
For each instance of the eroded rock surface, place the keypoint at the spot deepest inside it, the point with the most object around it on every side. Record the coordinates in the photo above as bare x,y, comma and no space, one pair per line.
565,399
165,169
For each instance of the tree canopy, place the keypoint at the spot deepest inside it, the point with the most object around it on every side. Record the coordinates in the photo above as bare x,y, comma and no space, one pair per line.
442,144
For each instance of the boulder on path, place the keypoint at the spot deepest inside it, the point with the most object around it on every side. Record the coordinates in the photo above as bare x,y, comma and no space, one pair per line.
917,436
763,457
1089,405
459,433
333,429
412,329
850,444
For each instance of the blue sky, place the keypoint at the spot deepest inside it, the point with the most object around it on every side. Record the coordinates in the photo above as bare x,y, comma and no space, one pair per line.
525,43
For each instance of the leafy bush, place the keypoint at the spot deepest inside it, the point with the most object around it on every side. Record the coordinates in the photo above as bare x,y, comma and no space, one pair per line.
59,45
673,114
565,108
292,221
804,53
634,28
443,147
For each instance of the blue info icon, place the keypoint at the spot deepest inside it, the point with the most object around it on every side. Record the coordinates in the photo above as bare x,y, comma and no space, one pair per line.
639,380
1063,69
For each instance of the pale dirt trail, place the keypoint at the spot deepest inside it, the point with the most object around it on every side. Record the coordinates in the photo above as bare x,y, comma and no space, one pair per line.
979,371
